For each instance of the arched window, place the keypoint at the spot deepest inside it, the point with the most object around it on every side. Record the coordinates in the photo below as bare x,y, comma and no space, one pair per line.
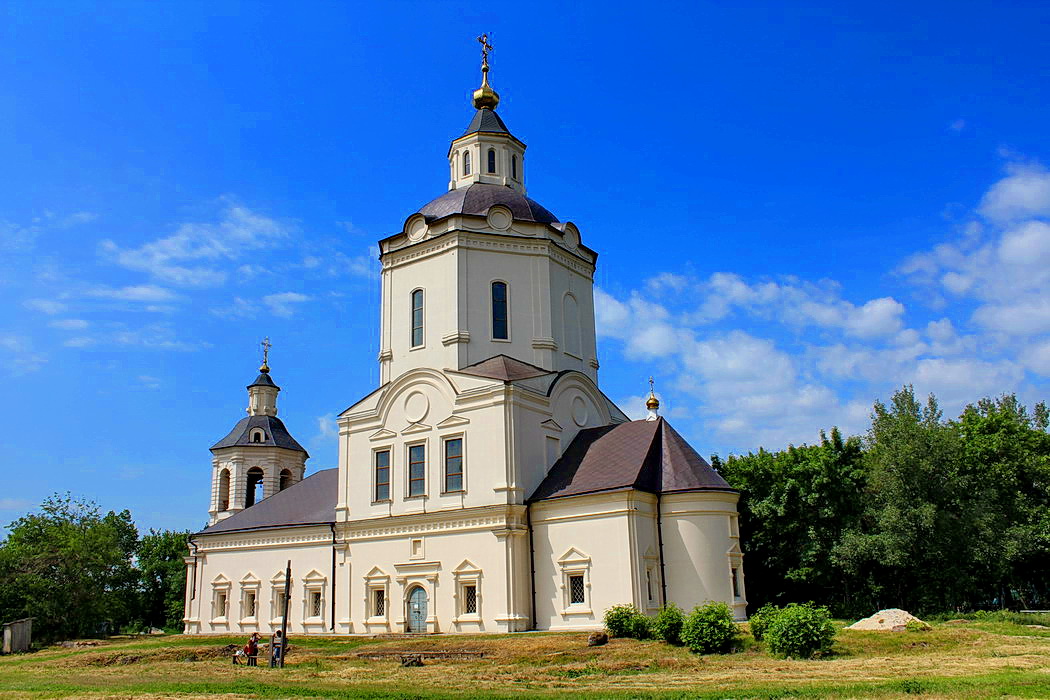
253,492
514,167
417,318
286,479
466,162
258,436
500,330
224,490
571,324
492,160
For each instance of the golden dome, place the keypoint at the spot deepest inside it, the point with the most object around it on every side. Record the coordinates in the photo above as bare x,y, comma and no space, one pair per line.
652,403
485,97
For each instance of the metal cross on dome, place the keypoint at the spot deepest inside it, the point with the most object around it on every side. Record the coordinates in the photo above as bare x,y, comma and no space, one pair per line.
650,385
266,345
485,48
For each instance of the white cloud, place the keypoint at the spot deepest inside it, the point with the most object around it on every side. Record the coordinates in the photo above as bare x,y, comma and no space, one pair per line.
284,303
326,427
193,256
69,324
139,292
18,356
1024,193
80,341
46,306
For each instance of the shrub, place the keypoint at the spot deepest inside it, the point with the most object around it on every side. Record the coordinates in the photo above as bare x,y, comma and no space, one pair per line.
668,624
917,626
642,626
800,631
620,620
760,619
710,629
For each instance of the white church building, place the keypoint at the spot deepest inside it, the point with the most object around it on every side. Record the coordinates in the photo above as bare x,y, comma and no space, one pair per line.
487,485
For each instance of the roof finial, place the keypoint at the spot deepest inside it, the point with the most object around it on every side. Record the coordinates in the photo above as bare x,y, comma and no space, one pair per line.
266,345
652,403
485,97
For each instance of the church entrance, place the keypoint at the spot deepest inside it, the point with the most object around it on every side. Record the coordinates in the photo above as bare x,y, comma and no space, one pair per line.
417,610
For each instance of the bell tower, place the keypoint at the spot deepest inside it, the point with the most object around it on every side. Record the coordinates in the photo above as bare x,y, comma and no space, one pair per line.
259,457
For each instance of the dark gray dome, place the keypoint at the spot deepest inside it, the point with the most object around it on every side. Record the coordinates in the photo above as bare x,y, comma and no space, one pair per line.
479,197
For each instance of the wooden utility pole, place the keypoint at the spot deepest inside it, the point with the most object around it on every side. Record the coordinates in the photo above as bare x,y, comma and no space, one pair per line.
284,618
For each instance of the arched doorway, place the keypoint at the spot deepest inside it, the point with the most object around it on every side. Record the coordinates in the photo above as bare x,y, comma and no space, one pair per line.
417,610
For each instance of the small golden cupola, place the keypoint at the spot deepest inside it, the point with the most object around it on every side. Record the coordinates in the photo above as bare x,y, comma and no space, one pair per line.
485,97
652,404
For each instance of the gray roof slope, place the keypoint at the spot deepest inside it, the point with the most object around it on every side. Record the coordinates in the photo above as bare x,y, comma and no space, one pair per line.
310,502
487,121
477,199
276,434
262,380
644,455
504,368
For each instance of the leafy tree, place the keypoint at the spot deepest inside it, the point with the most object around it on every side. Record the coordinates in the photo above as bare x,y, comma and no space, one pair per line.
163,577
795,505
71,568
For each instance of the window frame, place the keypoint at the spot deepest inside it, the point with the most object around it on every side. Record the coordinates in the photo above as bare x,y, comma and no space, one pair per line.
314,584
575,563
409,480
466,163
492,310
491,165
467,575
277,592
377,580
422,318
375,474
514,166
445,440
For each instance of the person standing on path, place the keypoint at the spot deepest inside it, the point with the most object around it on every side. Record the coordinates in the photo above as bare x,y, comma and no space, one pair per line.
276,645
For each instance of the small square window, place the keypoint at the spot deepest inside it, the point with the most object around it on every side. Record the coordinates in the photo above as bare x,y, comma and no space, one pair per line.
577,592
378,602
470,599
417,549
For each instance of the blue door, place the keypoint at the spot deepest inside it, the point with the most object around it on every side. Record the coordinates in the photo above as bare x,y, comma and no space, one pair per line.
417,610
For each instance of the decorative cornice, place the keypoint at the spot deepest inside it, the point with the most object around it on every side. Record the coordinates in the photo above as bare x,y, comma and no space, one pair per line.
544,343
455,337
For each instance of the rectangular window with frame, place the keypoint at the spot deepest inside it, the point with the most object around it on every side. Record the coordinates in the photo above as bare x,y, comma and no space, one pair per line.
454,465
382,475
577,591
378,602
249,604
417,318
315,604
500,330
220,605
278,605
470,600
736,584
417,470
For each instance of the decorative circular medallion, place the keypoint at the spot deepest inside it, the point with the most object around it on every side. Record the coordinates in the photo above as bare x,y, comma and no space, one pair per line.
416,406
417,229
572,237
500,218
579,411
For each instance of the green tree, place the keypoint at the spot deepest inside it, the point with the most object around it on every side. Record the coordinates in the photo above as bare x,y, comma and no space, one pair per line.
163,577
795,505
71,568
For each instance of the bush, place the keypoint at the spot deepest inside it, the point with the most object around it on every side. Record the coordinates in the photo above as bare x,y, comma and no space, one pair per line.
710,629
642,627
621,620
668,624
759,621
800,631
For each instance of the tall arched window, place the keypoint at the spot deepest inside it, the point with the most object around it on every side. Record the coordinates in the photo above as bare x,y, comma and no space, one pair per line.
500,330
286,479
571,324
417,318
224,489
466,162
514,166
492,160
253,492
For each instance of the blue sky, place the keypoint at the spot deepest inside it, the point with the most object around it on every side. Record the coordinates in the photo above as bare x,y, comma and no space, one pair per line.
798,208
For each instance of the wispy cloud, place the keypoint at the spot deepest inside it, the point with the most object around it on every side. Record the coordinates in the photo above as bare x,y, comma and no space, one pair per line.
45,306
140,293
70,324
285,303
195,254
18,356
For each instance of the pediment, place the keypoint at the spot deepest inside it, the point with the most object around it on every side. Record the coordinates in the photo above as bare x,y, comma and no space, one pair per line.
453,421
466,567
221,578
551,424
249,578
314,575
382,434
417,428
278,577
377,573
573,555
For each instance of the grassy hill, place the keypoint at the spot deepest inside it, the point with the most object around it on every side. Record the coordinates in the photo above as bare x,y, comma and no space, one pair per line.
961,660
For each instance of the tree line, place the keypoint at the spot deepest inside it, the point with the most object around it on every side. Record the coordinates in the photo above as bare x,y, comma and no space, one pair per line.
921,513
80,573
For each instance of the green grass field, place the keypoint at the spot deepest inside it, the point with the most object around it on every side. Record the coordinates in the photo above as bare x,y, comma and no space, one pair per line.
975,659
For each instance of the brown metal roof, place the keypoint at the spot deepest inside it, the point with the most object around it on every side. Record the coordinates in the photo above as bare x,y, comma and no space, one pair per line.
504,368
479,197
310,502
644,455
